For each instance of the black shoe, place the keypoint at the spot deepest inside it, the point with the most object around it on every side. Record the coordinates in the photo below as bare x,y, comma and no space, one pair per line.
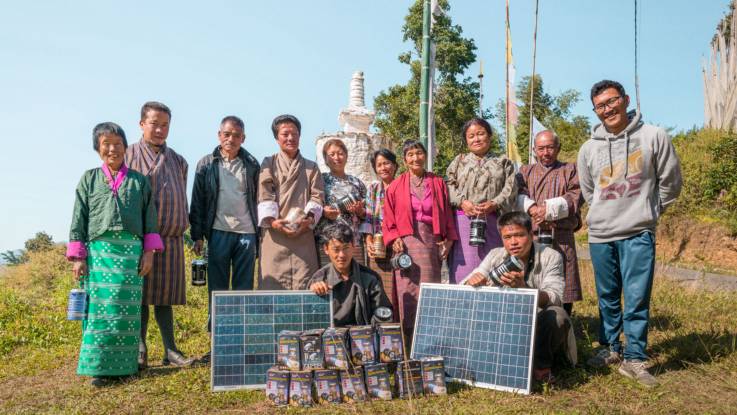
142,359
176,358
100,381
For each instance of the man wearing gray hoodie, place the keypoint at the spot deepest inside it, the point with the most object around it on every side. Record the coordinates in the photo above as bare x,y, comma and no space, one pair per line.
629,173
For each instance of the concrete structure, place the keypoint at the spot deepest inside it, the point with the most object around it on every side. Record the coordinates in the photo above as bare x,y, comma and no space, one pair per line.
355,122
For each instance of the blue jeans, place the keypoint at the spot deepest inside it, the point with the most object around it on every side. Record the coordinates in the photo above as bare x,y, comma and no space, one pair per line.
624,268
226,251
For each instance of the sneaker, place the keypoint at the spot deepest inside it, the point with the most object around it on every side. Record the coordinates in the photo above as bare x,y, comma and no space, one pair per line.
635,369
604,357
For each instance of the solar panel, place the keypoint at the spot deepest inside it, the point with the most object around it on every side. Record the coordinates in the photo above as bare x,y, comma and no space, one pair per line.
486,335
245,328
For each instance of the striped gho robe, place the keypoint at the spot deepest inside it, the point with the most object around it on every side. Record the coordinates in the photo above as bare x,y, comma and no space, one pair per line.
556,187
167,172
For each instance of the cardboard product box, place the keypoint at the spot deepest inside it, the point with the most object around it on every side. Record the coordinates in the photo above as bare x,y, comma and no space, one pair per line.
277,386
391,347
334,344
288,350
433,376
353,386
377,381
312,355
300,389
362,345
328,386
408,379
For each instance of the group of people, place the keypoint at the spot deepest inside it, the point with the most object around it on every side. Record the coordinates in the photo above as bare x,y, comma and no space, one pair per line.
329,232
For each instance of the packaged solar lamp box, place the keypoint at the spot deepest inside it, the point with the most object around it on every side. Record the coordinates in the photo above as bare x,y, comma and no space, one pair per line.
353,386
289,350
391,348
312,356
433,375
362,345
328,386
300,389
408,379
377,381
277,386
334,344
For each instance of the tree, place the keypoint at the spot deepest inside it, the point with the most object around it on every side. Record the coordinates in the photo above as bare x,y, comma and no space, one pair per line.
12,257
554,112
39,243
456,98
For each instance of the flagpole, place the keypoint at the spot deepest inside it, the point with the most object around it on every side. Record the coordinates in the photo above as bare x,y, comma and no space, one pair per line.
481,89
425,73
506,72
531,139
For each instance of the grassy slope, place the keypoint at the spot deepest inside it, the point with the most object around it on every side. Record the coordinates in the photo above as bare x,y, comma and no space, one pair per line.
693,343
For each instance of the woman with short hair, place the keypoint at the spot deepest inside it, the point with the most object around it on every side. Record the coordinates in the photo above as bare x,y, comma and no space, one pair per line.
339,185
384,163
481,186
113,236
418,220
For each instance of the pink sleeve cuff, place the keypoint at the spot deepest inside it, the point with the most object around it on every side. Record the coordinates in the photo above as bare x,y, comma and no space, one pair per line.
76,250
152,242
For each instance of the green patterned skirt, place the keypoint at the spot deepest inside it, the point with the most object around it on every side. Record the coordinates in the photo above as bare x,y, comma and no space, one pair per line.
112,330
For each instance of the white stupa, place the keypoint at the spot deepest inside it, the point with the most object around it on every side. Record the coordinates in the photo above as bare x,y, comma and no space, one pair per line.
355,122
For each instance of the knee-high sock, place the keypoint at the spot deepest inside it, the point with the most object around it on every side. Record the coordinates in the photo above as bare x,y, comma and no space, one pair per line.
164,315
144,327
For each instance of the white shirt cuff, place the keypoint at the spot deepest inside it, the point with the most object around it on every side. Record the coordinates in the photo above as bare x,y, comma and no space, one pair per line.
556,209
316,210
267,210
524,203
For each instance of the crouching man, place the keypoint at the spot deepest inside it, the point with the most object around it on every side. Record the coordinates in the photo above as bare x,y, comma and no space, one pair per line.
358,296
542,270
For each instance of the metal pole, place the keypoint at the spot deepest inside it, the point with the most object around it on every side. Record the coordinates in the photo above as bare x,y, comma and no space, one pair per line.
481,89
425,73
506,72
530,139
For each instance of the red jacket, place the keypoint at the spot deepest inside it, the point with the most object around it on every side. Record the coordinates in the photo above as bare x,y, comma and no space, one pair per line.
398,218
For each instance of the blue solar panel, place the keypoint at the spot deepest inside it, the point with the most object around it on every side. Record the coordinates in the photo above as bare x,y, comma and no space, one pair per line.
486,335
245,328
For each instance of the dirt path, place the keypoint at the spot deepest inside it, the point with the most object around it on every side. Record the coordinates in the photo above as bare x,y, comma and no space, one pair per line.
691,278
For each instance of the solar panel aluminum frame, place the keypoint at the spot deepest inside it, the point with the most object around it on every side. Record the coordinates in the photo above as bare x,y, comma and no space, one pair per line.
526,291
214,388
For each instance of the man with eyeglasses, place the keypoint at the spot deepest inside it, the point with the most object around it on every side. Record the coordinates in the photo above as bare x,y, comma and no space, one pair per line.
224,211
549,192
629,174
167,171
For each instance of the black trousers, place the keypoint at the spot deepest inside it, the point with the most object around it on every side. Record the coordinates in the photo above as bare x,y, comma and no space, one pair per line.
551,335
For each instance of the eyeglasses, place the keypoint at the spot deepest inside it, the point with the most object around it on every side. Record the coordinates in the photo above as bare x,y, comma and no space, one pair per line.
610,103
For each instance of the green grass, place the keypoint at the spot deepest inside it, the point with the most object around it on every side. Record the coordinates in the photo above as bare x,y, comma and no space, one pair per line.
693,343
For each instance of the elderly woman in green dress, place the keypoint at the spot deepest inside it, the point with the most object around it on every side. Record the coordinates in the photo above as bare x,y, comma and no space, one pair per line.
111,244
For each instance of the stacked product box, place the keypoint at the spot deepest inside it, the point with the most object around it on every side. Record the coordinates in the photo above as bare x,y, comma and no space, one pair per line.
408,379
349,365
433,375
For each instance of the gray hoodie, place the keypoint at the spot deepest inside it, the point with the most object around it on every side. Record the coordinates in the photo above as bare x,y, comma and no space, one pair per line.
627,179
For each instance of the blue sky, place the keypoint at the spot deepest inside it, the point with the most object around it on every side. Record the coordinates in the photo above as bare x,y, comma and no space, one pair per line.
66,66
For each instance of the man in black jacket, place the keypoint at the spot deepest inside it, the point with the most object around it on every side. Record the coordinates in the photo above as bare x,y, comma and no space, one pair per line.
223,210
357,290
